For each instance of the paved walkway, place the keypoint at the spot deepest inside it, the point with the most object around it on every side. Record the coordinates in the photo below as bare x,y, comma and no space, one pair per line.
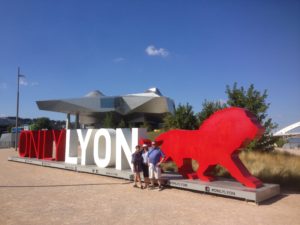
39,195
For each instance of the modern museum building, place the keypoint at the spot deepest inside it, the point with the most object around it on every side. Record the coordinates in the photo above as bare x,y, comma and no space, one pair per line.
134,110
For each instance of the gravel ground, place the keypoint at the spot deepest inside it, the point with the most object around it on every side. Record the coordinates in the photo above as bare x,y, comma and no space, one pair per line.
39,195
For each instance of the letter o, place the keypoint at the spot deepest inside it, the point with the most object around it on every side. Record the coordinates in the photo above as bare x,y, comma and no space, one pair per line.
102,158
23,144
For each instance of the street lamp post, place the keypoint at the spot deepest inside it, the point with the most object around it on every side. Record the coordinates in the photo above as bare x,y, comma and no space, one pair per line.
17,114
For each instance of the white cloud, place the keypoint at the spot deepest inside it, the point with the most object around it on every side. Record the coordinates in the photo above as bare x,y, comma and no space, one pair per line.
3,86
152,51
23,81
118,60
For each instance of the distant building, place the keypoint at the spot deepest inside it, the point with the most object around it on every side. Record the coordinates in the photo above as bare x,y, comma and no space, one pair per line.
134,109
292,143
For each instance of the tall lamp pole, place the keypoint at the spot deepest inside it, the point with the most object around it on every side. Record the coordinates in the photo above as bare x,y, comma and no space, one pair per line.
17,114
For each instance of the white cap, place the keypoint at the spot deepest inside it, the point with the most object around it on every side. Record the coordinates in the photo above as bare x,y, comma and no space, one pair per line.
144,145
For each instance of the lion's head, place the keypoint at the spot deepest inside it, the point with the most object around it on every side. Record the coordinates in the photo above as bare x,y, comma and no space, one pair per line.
232,128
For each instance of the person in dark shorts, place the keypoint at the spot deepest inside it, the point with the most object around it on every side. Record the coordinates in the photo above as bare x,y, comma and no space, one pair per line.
137,161
145,165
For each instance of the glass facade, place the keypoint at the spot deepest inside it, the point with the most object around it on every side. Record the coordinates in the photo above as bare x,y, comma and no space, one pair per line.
107,103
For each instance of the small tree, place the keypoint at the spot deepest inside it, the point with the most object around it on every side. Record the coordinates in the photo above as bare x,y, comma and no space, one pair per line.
208,108
255,102
108,121
9,128
146,125
184,118
41,123
121,124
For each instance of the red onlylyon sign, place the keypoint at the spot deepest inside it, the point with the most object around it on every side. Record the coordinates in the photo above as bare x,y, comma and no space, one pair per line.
39,144
218,141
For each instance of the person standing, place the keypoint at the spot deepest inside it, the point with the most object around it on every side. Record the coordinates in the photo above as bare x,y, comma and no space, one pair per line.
155,158
145,165
137,161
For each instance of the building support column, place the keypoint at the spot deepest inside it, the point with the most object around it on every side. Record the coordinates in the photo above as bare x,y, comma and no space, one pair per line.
77,125
68,122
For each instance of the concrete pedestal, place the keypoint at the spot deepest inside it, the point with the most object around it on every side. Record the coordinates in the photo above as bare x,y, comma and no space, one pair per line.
222,186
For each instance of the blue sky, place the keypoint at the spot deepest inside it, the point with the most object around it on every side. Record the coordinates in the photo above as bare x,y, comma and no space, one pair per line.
190,50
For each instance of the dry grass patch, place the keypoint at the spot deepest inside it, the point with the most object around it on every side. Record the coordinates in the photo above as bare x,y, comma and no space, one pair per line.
274,167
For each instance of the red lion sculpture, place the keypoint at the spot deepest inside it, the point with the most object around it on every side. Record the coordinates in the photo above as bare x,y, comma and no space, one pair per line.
218,141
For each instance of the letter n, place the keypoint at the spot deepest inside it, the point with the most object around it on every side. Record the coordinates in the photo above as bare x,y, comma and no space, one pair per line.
126,140
33,139
46,144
